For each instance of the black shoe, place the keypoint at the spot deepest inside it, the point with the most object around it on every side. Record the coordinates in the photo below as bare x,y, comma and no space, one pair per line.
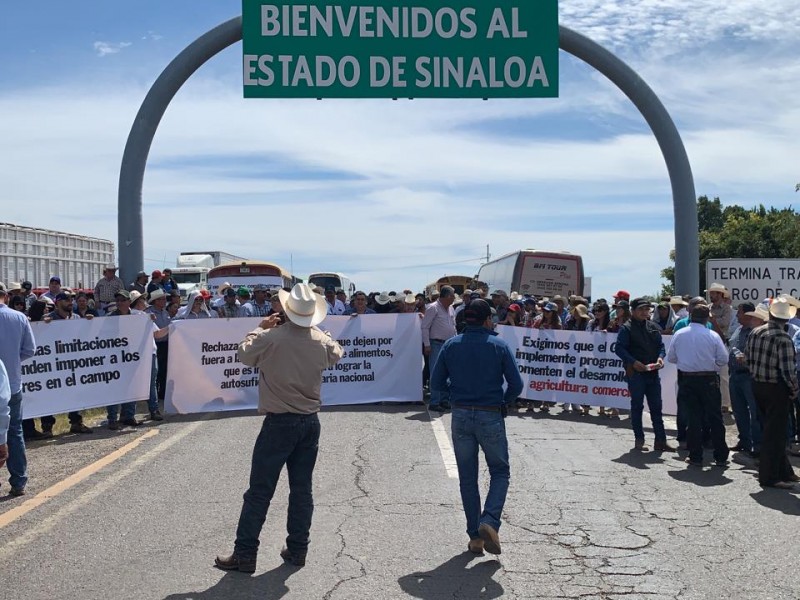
79,428
156,416
17,491
234,563
113,425
132,422
47,433
297,560
35,435
722,463
740,448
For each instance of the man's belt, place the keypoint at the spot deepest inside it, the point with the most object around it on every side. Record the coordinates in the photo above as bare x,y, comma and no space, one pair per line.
697,373
473,407
435,340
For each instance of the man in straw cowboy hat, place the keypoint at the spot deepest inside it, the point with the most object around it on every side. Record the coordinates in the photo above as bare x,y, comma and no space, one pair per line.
291,358
771,360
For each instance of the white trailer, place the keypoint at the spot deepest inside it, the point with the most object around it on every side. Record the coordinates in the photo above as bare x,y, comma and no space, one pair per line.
191,269
34,254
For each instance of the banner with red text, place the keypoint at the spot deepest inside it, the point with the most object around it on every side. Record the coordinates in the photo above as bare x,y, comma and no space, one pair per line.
578,367
382,363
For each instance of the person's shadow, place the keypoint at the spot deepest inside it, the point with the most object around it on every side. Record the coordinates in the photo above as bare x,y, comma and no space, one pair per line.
453,579
640,460
266,586
781,500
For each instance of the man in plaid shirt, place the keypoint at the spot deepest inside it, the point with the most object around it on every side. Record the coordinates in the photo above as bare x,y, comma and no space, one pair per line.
260,305
771,360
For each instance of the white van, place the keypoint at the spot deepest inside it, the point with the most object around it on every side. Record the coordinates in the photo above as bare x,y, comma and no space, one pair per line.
337,280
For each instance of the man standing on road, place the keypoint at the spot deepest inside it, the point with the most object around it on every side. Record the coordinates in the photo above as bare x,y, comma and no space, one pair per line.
640,347
743,401
16,346
106,289
476,362
771,360
290,358
699,354
438,326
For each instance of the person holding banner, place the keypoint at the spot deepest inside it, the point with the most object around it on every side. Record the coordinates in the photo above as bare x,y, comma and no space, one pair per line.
438,326
16,346
476,363
5,413
641,348
291,358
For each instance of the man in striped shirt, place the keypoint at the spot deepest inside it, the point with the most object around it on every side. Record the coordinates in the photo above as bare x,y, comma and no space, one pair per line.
771,360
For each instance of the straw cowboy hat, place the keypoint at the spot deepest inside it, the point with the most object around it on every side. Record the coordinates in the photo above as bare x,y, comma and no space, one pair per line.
781,309
156,294
677,300
759,313
718,287
579,310
303,306
790,299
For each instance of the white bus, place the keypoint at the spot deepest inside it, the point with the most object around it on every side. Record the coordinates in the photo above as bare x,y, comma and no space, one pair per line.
337,280
535,273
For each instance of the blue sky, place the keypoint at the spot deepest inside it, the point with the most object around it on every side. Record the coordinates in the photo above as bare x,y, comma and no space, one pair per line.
396,194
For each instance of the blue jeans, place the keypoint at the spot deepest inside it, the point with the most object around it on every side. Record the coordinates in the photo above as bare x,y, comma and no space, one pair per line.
17,462
474,429
285,439
649,385
745,411
437,398
128,411
152,401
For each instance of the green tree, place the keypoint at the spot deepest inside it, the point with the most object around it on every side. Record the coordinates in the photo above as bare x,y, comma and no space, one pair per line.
736,232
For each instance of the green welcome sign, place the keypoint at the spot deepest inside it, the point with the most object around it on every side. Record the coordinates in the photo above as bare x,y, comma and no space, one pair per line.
400,49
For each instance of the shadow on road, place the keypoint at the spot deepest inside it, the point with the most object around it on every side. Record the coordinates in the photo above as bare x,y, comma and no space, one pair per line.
267,586
639,460
714,476
782,500
453,579
98,433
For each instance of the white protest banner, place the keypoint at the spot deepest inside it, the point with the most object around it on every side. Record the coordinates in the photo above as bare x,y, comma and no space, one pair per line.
382,363
578,367
753,279
84,363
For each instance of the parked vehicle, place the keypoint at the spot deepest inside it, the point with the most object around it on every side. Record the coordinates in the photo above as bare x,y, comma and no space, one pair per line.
191,270
458,282
248,273
337,280
536,273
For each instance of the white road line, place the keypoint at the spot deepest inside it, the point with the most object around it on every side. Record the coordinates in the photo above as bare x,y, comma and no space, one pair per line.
445,447
103,486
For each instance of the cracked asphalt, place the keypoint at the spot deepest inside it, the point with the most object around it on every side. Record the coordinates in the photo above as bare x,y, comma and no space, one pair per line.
586,517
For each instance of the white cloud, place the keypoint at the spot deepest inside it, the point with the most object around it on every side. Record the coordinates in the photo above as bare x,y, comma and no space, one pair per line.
105,48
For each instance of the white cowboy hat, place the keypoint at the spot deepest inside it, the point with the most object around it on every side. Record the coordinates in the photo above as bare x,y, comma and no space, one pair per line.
135,295
514,296
156,294
410,299
678,300
383,298
223,287
759,313
790,299
781,309
718,287
303,306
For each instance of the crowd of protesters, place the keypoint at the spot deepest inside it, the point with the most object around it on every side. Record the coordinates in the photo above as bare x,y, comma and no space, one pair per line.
442,317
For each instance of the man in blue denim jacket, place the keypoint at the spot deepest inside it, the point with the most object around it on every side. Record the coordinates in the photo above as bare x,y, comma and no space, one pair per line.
476,363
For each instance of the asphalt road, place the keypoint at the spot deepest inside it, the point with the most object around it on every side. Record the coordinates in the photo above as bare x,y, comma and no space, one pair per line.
586,517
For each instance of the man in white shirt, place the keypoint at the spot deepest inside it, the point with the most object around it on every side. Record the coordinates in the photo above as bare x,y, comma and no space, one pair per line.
438,326
700,353
335,306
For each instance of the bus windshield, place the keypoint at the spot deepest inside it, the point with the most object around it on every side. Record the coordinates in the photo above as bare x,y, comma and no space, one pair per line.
186,277
325,281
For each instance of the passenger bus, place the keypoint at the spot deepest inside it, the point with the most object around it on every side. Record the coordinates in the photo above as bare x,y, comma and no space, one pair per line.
337,280
248,273
536,273
458,282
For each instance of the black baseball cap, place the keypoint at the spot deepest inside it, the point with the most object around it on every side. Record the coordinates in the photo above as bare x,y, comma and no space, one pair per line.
639,302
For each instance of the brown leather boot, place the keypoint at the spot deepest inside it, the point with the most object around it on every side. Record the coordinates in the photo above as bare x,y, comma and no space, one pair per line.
295,559
475,546
235,563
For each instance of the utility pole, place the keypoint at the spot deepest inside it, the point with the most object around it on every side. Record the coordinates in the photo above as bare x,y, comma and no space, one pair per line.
487,253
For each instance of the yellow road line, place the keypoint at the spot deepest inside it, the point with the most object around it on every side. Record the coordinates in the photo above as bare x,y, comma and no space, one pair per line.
73,480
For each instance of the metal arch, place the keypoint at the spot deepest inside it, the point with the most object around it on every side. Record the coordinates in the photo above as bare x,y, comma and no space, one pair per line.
137,148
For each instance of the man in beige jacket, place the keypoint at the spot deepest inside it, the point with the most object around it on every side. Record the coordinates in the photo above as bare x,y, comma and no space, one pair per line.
291,358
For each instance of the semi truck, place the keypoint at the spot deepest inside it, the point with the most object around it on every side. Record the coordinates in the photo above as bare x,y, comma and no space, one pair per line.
191,269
